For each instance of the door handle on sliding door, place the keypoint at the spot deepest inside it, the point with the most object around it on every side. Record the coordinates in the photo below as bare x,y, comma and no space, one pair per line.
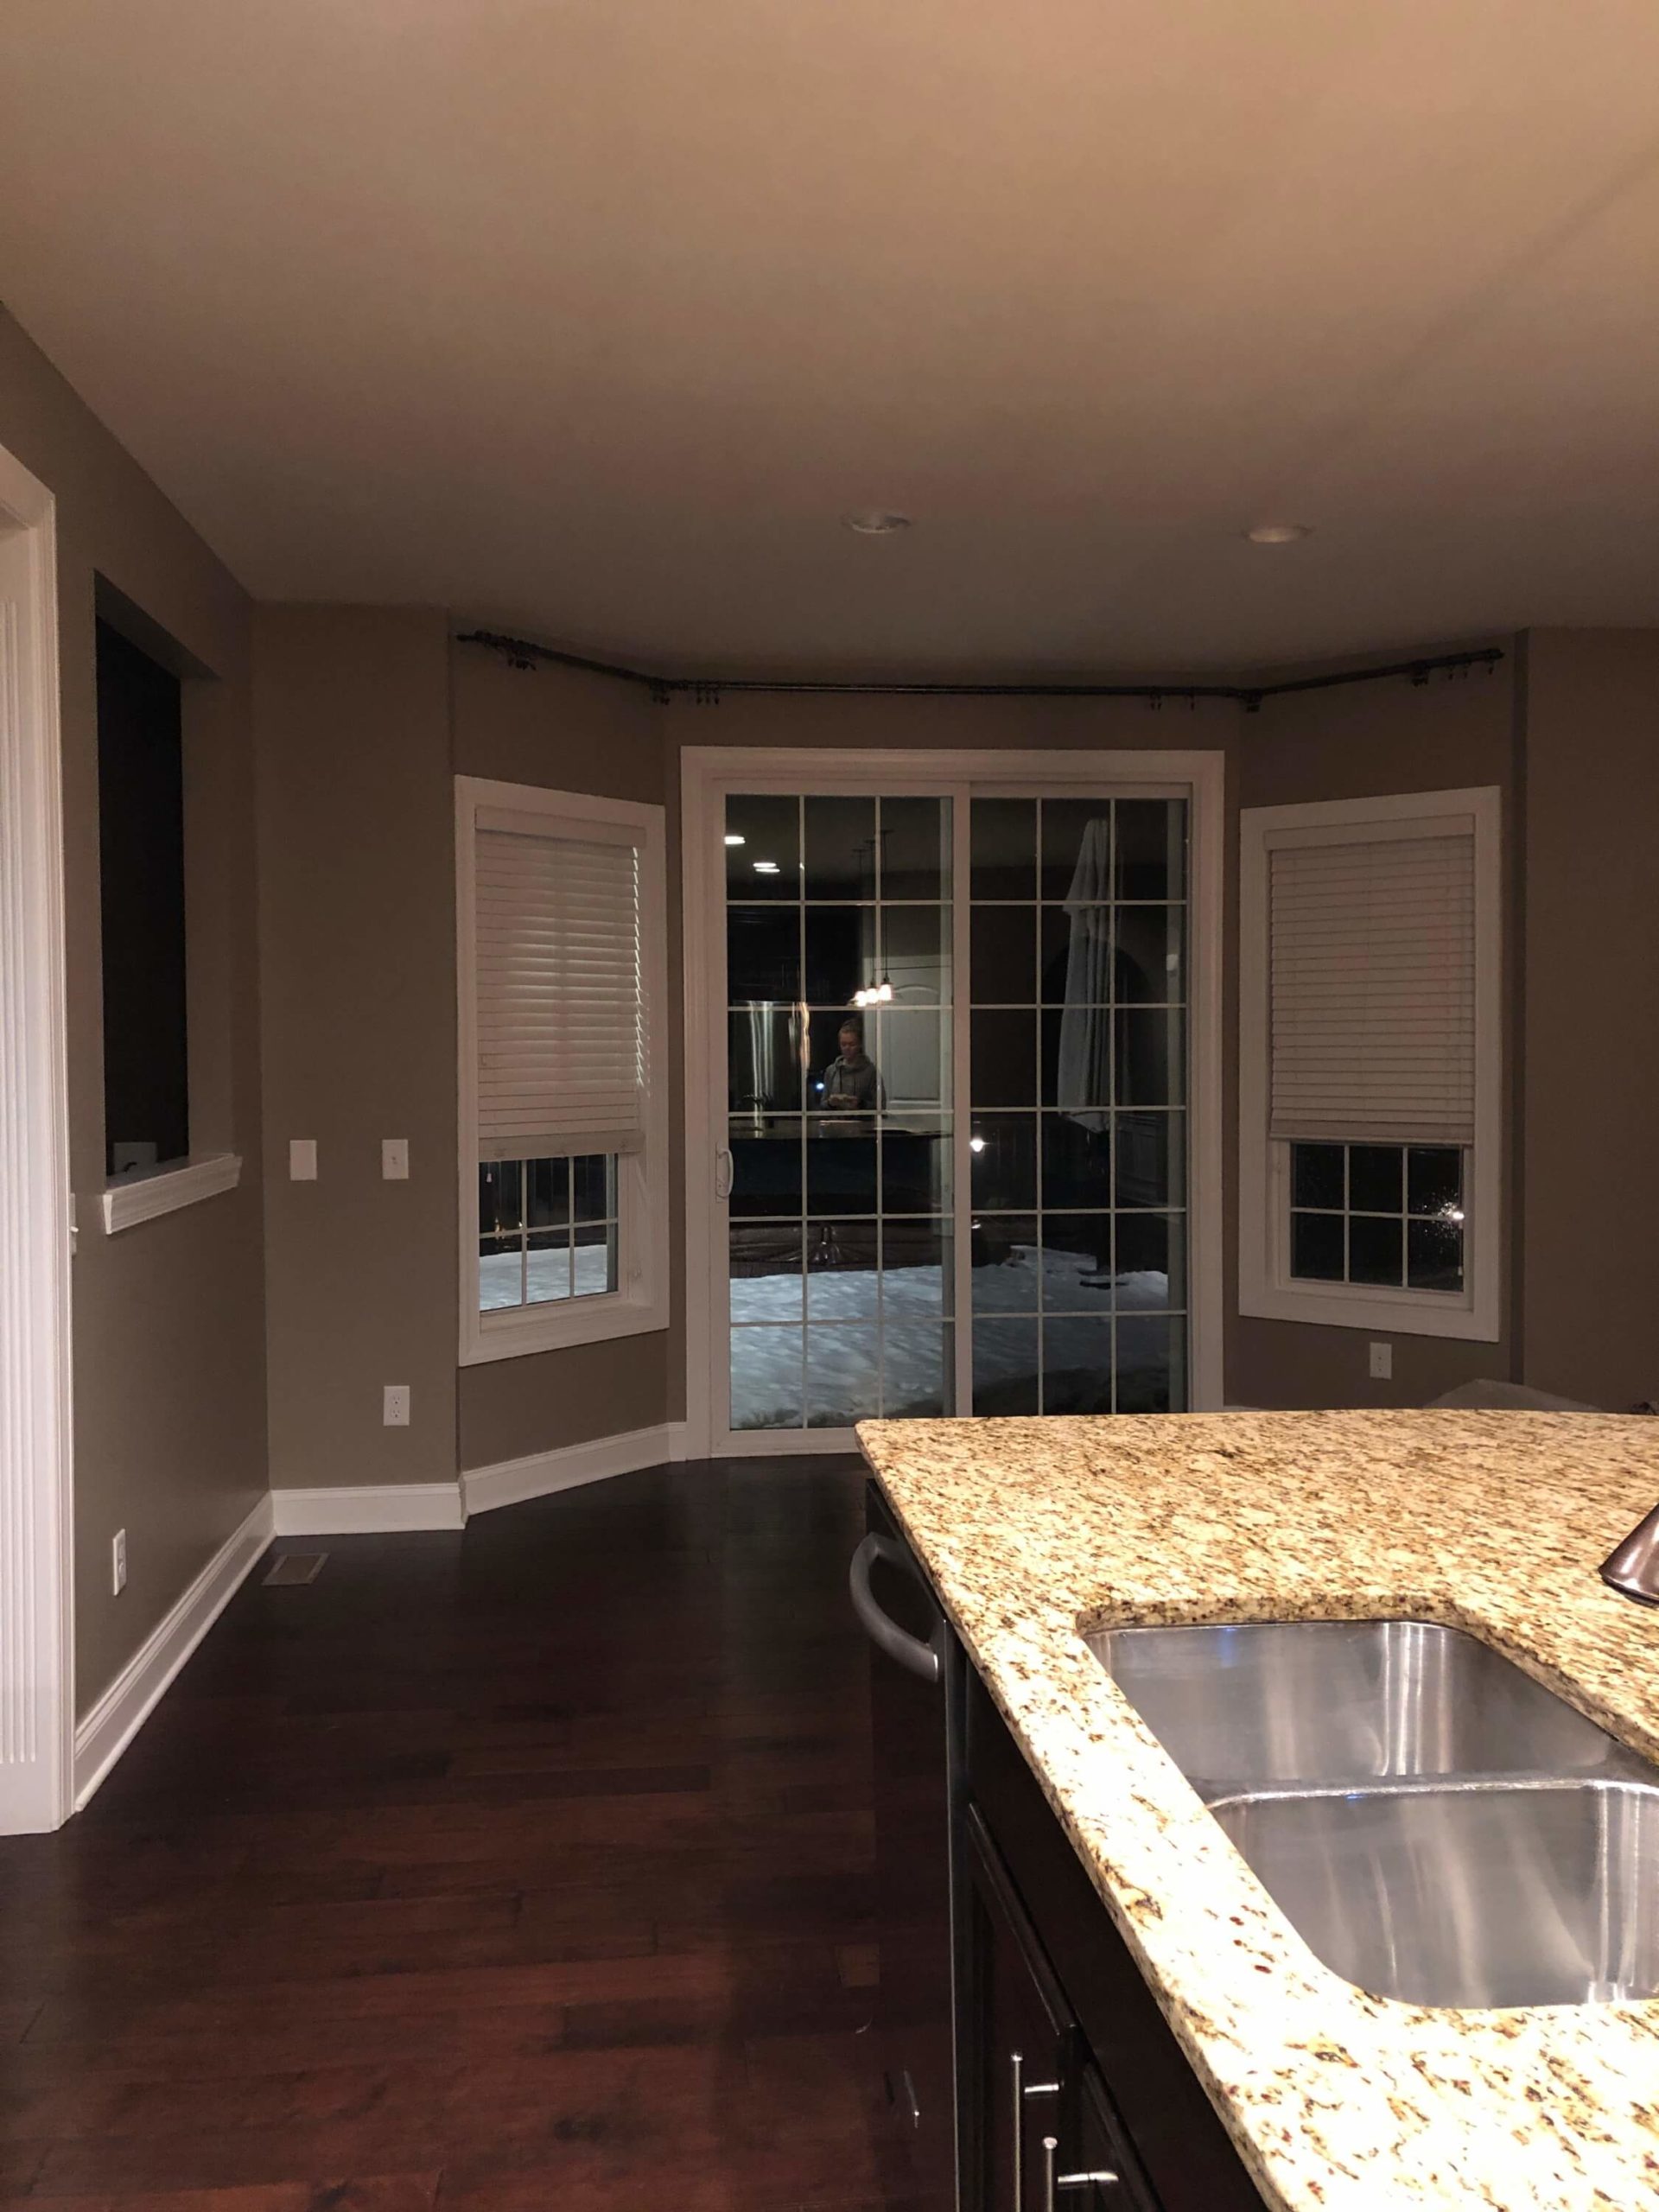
725,1171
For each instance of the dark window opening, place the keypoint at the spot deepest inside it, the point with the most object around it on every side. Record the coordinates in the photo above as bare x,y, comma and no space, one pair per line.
141,857
1385,1214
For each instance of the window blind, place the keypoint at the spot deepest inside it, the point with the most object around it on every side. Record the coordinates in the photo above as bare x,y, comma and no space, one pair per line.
560,1007
1372,986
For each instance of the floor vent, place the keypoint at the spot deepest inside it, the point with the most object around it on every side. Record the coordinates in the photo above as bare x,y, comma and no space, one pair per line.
296,1567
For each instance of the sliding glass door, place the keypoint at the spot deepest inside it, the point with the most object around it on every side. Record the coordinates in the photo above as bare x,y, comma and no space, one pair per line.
954,1170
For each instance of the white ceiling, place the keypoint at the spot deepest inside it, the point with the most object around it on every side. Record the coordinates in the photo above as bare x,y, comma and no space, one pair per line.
589,317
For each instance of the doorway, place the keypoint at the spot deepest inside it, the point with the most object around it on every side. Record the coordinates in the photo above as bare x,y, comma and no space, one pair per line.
952,1105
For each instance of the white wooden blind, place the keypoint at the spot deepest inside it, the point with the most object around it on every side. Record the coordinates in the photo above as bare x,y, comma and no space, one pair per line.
560,1006
1373,989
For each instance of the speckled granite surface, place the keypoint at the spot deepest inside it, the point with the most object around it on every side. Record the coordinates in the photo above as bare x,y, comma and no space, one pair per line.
1494,1523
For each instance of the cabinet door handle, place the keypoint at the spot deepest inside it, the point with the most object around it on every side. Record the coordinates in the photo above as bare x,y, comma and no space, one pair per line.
1017,2070
1102,2176
922,1659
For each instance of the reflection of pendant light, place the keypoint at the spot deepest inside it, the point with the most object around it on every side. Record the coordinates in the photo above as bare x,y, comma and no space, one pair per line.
877,994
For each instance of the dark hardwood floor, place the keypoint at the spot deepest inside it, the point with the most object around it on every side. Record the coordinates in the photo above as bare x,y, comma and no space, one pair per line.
529,1867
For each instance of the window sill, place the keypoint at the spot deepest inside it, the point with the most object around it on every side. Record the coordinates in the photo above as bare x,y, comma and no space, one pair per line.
165,1190
1407,1313
517,1332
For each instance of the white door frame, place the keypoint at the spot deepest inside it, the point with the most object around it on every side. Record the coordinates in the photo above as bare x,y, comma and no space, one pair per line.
707,775
37,1533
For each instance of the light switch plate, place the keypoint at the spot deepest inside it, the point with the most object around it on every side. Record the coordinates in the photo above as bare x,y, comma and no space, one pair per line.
394,1159
1382,1363
303,1159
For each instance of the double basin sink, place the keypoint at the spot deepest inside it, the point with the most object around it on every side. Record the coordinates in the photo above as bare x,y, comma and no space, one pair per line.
1437,1826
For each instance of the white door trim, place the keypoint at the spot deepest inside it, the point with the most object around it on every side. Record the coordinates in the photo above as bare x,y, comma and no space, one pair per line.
708,773
36,1535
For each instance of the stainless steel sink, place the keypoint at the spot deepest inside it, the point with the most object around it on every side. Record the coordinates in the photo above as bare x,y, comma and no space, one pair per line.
1542,1892
1274,1702
1436,1825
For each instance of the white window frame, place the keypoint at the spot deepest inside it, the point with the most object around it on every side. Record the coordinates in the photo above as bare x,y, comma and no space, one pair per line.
641,1302
1265,1288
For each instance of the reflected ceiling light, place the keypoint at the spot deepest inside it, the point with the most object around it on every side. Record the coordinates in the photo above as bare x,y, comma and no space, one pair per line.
976,1144
1278,533
766,867
732,838
875,522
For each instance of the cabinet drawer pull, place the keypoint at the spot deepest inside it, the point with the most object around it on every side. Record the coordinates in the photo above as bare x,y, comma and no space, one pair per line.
1102,2175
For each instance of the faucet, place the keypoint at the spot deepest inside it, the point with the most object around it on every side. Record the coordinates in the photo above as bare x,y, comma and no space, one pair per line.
1632,1567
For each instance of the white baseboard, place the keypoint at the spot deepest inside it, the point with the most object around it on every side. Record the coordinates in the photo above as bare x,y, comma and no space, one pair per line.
512,1481
122,1711
367,1510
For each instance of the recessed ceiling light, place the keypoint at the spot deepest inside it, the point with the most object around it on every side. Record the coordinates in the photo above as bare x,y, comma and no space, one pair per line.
1278,533
875,522
732,840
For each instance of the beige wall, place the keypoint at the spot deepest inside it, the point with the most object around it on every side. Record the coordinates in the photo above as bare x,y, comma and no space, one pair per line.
169,1343
1590,1297
1364,741
357,957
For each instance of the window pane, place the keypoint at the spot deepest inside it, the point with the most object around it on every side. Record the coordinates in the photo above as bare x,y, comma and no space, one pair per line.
501,1274
1376,1250
1004,1059
1151,1365
1149,1059
1005,1367
1149,1250
915,954
916,1262
1316,1247
840,1166
1434,1254
1003,838
849,1037
1002,943
1077,1366
915,847
547,1193
911,1050
766,864
1376,1177
1077,960
547,1265
1148,961
500,1195
1076,848
839,954
596,1259
1077,1071
1435,1174
765,1169
843,1380
842,1272
767,1379
767,1271
1076,1162
915,1165
1151,1158
1150,836
763,953
1005,1268
916,1377
840,848
594,1183
1003,1150
762,1062
1317,1176
1076,1264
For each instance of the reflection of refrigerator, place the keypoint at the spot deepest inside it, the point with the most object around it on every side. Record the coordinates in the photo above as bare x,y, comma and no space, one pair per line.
916,1692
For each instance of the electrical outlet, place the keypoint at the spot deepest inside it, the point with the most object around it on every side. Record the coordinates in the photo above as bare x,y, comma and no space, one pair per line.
394,1159
396,1411
303,1159
1382,1363
118,1562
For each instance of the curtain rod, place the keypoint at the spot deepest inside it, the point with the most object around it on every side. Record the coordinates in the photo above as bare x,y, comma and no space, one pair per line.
707,690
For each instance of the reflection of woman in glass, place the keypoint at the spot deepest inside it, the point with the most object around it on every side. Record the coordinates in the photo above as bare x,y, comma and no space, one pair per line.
852,1084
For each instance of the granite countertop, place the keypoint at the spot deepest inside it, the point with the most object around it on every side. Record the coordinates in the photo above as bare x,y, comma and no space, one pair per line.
1032,1531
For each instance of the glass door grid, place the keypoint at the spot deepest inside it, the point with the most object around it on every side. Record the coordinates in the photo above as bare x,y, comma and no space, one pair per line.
852,1247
